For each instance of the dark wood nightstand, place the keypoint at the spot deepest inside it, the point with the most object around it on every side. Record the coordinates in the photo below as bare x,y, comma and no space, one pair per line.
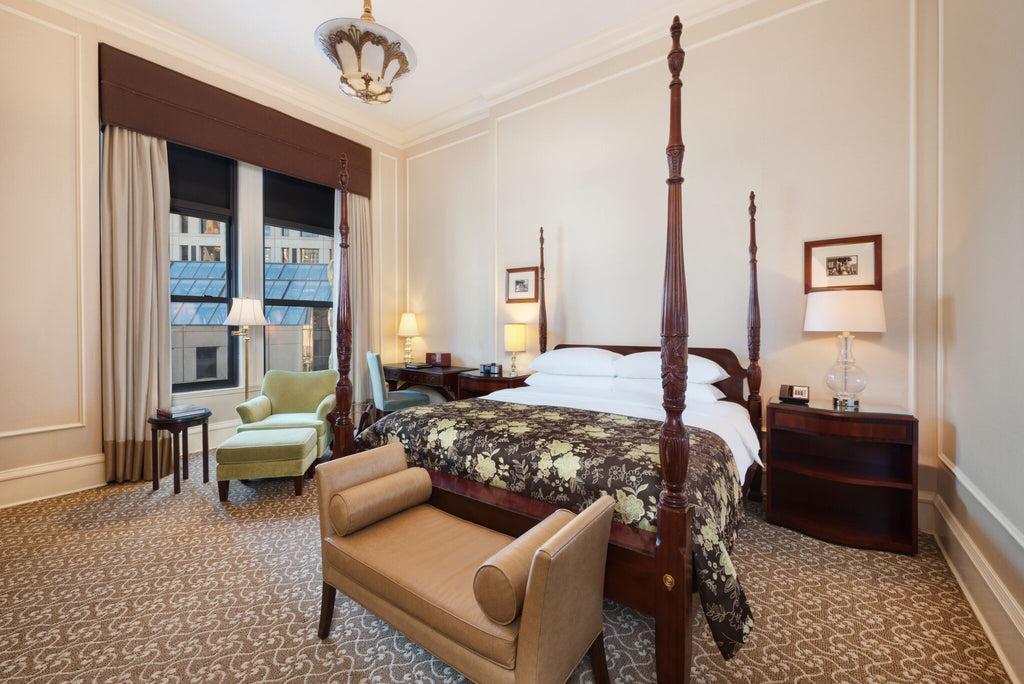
473,384
846,477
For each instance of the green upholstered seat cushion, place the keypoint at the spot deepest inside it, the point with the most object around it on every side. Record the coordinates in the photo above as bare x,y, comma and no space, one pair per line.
251,446
401,399
279,421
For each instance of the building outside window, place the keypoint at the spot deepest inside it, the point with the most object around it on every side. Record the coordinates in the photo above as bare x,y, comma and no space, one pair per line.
298,249
202,280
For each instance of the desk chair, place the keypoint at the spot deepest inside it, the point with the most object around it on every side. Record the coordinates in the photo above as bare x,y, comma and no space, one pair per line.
384,400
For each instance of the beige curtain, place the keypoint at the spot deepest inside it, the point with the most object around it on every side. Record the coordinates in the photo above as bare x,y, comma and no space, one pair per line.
365,336
134,281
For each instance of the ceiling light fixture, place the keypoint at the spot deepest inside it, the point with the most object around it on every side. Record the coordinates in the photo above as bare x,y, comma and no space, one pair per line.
370,56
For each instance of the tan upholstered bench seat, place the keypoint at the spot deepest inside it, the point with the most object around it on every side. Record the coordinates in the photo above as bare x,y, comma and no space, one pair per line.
439,554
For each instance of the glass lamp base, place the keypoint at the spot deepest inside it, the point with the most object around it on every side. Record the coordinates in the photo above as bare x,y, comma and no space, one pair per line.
845,403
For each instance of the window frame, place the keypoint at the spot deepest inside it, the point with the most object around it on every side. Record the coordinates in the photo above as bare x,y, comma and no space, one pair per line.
204,212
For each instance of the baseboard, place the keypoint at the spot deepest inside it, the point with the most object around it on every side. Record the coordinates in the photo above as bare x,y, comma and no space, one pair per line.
218,432
1001,616
45,480
926,512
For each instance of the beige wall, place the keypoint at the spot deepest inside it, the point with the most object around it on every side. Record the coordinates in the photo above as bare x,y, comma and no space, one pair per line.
790,105
981,236
50,439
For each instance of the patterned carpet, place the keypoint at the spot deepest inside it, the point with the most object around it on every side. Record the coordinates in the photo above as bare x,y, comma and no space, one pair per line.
125,584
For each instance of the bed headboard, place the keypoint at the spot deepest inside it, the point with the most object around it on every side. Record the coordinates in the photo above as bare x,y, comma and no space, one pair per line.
726,358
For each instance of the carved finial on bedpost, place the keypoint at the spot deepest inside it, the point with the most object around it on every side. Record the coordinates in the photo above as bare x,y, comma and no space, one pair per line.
341,417
543,315
754,328
674,444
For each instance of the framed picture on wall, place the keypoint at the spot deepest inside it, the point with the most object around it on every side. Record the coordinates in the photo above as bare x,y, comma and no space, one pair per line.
521,285
843,264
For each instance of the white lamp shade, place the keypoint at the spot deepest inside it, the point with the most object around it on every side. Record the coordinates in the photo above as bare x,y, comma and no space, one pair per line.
515,337
246,312
845,311
407,326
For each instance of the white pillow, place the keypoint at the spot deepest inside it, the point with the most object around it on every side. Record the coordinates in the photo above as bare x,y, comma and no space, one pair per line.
572,383
700,371
696,392
577,361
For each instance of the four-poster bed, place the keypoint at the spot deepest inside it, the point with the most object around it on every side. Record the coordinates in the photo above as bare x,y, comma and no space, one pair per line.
648,568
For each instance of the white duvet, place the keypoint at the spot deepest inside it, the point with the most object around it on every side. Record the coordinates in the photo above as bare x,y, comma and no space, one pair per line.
728,420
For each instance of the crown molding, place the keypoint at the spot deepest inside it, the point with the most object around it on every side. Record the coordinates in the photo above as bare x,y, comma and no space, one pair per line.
601,47
136,25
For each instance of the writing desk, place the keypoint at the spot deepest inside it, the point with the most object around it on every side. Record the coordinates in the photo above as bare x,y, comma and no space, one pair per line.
444,380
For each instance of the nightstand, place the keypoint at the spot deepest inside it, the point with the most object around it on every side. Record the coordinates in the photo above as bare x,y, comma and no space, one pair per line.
843,476
474,384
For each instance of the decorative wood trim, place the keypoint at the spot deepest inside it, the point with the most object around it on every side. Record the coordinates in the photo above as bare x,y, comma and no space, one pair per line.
542,315
754,328
341,417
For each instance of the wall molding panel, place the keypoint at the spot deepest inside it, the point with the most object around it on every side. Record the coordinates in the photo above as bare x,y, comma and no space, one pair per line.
79,421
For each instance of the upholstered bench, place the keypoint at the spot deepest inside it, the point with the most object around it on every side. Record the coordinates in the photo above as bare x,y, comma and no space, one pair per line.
494,607
257,454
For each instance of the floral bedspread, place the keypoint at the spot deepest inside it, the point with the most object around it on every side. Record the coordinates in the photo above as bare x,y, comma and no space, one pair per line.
571,457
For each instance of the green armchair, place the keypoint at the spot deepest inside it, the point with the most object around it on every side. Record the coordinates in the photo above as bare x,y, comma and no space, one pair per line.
292,400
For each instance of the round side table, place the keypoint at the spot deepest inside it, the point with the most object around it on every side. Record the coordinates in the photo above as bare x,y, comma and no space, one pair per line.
179,447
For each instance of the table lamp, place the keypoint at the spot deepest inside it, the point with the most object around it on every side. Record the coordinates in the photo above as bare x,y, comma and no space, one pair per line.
515,341
245,312
407,329
845,311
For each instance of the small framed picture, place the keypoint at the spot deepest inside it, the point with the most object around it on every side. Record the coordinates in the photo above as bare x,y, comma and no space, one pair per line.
521,285
843,264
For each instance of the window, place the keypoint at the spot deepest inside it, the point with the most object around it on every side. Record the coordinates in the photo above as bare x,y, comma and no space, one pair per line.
297,293
206,362
203,352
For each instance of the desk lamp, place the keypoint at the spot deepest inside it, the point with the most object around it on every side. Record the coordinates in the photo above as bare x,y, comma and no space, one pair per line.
407,328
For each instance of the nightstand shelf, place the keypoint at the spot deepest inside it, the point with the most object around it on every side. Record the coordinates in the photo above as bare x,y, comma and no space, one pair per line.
474,384
846,477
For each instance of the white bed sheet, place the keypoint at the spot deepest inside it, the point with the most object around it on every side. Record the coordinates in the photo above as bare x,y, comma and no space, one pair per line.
728,420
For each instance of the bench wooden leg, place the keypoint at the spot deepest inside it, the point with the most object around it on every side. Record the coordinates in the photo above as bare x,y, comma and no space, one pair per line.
298,484
326,610
222,489
597,661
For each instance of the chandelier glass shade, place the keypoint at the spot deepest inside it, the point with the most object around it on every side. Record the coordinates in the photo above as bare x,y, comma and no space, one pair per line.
370,57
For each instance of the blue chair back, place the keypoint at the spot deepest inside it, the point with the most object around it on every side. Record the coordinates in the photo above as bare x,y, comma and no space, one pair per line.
377,382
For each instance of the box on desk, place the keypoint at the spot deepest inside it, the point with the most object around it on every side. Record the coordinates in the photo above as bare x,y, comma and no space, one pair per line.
440,359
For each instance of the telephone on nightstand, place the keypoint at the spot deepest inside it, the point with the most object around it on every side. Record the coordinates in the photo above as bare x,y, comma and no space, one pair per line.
795,394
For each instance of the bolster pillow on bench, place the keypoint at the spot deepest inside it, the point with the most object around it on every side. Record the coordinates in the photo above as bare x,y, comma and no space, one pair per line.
354,508
500,583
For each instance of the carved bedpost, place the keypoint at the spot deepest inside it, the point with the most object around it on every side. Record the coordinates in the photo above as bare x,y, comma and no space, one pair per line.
540,295
672,633
341,417
754,329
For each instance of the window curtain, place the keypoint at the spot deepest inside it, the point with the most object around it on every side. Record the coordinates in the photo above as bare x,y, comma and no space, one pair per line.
134,281
365,336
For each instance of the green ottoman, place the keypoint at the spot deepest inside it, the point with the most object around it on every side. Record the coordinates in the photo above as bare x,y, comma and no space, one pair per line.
256,454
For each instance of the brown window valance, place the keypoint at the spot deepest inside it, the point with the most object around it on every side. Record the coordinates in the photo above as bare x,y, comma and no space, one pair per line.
146,97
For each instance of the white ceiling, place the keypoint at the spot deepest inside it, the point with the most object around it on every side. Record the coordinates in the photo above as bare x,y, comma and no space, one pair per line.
468,51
